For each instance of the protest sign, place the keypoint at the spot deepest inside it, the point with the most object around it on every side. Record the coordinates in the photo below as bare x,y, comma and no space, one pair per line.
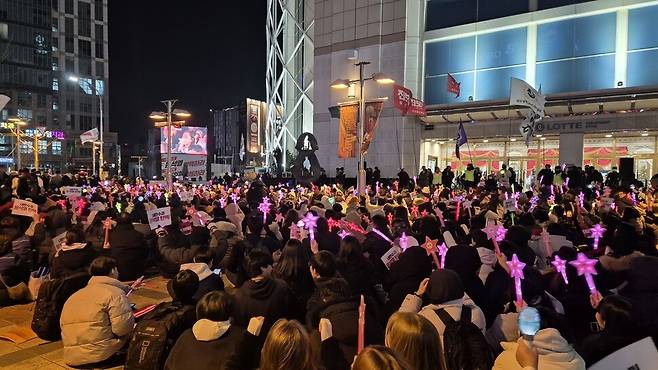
159,217
24,208
637,356
57,240
186,196
72,192
391,256
510,204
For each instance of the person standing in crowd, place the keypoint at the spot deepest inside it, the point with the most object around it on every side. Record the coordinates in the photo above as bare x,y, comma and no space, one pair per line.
447,177
545,176
403,178
97,320
469,177
436,177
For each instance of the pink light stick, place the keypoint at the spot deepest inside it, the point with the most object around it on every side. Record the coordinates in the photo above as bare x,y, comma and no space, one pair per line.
561,267
439,214
415,182
443,250
492,233
430,247
310,222
404,242
222,202
585,266
581,200
516,272
343,234
597,233
545,237
265,208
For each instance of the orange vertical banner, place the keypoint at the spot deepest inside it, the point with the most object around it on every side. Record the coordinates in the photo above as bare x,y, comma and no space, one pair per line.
347,131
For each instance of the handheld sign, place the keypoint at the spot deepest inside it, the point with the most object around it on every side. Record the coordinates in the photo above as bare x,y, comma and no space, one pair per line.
72,192
159,217
24,208
391,256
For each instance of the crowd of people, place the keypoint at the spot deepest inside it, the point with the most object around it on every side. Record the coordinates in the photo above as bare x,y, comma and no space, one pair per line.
277,276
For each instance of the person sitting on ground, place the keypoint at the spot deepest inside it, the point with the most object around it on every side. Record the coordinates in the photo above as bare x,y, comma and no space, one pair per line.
72,256
287,346
97,320
414,338
128,248
208,281
212,340
322,266
261,295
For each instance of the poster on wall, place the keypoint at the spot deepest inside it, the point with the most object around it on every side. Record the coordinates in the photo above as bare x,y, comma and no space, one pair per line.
253,126
190,166
186,140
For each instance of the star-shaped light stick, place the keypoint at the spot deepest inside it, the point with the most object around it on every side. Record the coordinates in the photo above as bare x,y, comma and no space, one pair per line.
597,233
585,266
310,222
389,217
430,247
333,224
516,272
414,211
404,242
492,233
235,197
222,202
264,207
581,200
279,218
343,234
439,214
561,267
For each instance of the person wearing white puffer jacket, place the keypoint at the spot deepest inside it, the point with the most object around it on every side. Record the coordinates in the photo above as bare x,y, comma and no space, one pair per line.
554,353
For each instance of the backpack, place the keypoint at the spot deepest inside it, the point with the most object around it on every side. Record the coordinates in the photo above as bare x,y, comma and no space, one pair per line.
50,301
155,335
464,346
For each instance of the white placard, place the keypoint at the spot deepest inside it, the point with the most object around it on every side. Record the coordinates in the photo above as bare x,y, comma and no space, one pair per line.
510,204
72,192
641,355
186,196
391,256
57,240
159,217
24,208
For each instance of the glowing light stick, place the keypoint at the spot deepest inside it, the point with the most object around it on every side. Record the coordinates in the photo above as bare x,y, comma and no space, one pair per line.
404,241
597,233
332,224
265,208
634,198
533,202
545,237
459,206
424,213
585,266
381,234
389,217
561,267
222,202
492,233
107,225
516,272
343,234
279,218
310,222
581,200
414,211
235,198
439,214
377,187
443,250
362,325
430,247
415,183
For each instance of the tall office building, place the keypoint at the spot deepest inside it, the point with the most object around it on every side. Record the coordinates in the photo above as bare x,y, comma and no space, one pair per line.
44,43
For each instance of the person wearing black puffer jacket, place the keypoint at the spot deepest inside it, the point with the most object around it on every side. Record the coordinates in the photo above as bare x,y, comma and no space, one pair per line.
176,247
128,248
341,308
72,256
261,295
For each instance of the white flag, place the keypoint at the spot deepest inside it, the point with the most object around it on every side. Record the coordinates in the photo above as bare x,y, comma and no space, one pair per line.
4,99
91,135
530,125
521,93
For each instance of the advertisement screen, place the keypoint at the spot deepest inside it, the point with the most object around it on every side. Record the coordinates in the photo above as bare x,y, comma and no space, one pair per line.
185,140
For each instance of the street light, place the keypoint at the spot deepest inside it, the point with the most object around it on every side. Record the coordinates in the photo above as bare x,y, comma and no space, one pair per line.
378,77
158,116
14,126
92,87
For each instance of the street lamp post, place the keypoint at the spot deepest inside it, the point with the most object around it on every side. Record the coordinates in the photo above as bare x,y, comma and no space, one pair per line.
168,116
343,84
92,87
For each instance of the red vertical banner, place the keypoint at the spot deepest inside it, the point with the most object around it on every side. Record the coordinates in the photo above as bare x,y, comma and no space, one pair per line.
373,109
401,98
417,108
347,131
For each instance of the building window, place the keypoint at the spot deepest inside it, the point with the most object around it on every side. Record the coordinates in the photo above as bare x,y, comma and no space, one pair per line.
41,119
85,123
69,44
55,24
41,101
26,147
85,107
84,66
25,98
55,84
56,148
100,69
55,64
68,26
84,48
100,87
85,85
99,50
55,43
70,104
68,6
98,10
25,114
54,4
84,19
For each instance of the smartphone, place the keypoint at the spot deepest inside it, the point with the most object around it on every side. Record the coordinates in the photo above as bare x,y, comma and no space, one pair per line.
529,322
217,271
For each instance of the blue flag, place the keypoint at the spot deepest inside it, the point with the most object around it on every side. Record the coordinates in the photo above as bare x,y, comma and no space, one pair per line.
461,139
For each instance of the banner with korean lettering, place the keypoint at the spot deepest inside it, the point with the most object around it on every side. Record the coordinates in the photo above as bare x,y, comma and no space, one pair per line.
521,93
191,166
404,101
159,217
417,108
349,114
24,208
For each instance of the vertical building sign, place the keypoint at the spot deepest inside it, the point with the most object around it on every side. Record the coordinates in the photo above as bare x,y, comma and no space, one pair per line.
253,125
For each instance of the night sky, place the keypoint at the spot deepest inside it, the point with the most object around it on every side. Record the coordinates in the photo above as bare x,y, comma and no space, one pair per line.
207,54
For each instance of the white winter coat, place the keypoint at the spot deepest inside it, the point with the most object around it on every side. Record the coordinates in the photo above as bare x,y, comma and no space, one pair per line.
553,350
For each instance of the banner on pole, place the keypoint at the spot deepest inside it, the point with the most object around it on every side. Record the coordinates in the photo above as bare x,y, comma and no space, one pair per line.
89,136
404,101
347,131
521,93
373,109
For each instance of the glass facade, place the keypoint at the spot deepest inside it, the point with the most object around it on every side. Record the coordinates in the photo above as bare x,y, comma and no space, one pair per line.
570,55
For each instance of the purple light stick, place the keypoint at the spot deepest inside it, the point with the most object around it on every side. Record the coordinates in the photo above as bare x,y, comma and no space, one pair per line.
585,266
404,241
561,267
597,233
516,272
443,250
265,208
310,222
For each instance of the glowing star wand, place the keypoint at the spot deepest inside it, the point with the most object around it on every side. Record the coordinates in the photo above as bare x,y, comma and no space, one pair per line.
404,242
516,272
439,214
561,267
265,208
310,222
430,248
597,233
585,266
492,233
443,250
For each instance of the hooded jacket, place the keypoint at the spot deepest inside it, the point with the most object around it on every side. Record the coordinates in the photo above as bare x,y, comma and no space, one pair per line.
268,297
555,353
406,273
128,248
70,259
208,345
208,281
96,321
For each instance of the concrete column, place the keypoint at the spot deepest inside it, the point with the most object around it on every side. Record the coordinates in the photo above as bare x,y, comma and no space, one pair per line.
571,148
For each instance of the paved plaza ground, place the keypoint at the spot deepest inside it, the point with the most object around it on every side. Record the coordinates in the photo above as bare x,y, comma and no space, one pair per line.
42,355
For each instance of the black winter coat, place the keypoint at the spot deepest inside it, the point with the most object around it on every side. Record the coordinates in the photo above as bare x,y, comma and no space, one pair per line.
269,297
188,352
69,262
128,248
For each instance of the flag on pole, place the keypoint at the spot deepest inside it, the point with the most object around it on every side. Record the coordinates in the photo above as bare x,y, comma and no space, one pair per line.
454,86
89,136
461,139
521,93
